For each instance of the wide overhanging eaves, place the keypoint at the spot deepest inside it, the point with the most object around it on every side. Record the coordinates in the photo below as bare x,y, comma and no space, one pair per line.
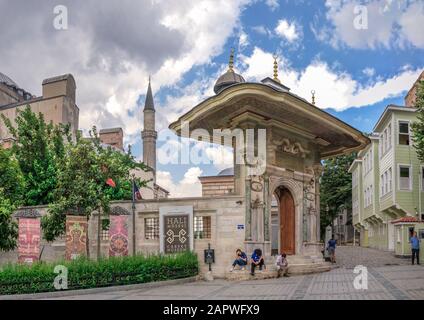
273,106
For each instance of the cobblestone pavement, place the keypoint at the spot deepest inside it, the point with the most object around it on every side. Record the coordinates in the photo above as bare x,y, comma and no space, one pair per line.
399,281
349,257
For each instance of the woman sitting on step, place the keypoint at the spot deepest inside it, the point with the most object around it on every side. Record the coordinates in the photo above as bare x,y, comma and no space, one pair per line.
257,260
241,260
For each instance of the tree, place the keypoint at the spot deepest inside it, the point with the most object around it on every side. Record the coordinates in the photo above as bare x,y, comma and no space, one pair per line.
11,197
336,187
37,149
417,127
81,182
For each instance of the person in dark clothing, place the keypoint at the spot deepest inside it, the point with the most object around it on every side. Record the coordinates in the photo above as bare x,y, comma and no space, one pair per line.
331,247
257,260
241,260
415,248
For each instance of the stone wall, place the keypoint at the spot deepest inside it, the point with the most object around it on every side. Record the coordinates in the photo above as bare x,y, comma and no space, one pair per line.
226,214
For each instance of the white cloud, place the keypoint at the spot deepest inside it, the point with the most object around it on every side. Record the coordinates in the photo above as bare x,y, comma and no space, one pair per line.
272,4
111,62
189,186
262,30
390,24
412,22
287,30
333,89
243,40
369,72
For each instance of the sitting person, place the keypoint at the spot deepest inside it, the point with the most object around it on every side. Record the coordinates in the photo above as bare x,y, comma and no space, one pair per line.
282,265
257,260
241,260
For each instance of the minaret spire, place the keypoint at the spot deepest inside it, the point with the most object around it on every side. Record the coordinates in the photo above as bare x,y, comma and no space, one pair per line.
231,62
276,69
149,134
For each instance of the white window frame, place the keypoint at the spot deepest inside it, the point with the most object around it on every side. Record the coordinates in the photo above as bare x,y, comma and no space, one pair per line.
421,178
399,133
411,177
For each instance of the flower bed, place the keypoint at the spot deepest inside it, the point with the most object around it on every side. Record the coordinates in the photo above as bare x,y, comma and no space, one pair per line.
84,274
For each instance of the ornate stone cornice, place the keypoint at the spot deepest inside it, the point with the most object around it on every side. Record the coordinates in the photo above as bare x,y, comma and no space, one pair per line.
149,134
291,147
119,211
27,213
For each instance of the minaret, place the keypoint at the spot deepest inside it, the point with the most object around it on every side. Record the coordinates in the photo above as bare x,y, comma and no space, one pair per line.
149,133
276,69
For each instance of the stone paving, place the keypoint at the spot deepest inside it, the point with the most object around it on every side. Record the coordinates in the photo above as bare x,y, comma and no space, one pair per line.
389,278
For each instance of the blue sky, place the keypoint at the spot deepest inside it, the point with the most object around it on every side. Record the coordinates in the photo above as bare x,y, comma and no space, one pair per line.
184,45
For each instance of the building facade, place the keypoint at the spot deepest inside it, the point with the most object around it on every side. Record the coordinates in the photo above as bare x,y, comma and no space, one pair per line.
271,199
387,183
57,103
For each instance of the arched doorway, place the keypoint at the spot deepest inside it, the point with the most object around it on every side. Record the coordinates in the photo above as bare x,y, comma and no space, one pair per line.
287,221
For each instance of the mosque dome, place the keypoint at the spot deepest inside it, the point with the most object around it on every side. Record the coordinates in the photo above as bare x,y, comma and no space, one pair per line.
7,81
228,78
227,172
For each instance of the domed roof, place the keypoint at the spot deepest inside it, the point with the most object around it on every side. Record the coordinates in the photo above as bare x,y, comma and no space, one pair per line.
227,79
227,172
7,81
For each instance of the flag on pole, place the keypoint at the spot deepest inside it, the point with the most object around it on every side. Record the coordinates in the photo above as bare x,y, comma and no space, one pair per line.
136,190
111,183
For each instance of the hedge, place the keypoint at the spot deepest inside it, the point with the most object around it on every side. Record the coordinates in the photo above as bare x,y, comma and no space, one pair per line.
83,273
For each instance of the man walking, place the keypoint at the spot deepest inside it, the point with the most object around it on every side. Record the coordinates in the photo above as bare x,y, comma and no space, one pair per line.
415,247
331,247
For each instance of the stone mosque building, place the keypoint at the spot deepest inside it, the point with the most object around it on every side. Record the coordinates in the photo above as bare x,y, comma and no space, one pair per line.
276,209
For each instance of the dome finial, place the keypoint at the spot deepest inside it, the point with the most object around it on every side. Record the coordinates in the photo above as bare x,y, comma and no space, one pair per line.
231,62
276,68
313,97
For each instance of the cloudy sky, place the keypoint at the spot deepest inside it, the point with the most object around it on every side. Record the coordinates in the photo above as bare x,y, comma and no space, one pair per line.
358,56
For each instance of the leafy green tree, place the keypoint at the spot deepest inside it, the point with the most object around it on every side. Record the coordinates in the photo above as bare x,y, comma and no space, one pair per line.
336,187
417,127
37,149
11,197
82,175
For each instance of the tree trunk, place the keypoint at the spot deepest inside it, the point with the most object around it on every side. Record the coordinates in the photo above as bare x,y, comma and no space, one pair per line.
99,234
88,240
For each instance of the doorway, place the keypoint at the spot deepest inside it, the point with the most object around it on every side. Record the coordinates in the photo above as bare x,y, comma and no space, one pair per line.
287,222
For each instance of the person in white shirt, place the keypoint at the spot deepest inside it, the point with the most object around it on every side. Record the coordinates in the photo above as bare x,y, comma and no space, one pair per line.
282,265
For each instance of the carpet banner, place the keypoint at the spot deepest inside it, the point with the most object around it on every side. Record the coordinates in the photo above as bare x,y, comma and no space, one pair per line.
118,235
29,240
76,237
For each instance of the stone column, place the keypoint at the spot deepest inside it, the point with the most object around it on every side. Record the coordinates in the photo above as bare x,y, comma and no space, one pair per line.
317,174
267,208
248,202
29,235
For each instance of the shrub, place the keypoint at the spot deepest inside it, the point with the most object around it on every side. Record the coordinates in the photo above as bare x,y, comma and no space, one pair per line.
83,273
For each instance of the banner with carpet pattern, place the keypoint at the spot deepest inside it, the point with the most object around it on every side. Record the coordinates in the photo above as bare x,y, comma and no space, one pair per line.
29,240
76,237
118,235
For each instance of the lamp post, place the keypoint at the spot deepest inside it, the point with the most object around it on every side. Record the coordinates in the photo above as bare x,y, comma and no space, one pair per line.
133,216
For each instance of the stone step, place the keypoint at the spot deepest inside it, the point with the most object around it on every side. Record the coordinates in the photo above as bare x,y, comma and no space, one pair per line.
298,269
271,271
238,275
